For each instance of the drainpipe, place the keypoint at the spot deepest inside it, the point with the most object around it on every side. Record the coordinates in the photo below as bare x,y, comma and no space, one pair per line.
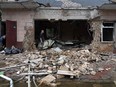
9,79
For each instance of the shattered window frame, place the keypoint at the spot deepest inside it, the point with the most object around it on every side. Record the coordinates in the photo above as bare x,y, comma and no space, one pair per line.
107,25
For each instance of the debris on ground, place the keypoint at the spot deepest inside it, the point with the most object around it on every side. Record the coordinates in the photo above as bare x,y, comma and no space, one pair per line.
73,62
49,81
46,44
12,50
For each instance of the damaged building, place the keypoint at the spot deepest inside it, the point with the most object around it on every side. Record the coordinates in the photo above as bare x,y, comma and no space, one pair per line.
22,22
104,28
79,38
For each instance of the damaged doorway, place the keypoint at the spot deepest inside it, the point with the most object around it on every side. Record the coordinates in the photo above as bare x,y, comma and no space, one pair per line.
70,30
9,29
3,31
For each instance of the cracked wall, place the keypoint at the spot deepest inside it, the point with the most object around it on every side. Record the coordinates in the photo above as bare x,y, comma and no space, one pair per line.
28,42
96,44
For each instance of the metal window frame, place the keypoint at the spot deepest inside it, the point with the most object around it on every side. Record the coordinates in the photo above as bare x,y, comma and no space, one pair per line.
102,27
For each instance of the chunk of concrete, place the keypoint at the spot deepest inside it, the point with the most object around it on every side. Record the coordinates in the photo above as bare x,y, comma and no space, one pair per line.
57,49
63,72
93,72
115,82
60,76
100,69
47,80
64,68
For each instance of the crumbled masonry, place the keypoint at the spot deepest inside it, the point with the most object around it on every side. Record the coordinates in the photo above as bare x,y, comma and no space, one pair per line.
73,62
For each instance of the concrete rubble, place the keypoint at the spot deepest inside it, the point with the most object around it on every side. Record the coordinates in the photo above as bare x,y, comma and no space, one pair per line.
74,62
48,80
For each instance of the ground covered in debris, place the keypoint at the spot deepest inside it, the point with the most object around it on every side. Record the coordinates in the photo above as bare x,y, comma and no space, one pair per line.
73,63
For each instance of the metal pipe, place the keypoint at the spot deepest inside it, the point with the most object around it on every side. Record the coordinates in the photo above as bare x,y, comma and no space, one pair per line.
31,74
9,79
29,77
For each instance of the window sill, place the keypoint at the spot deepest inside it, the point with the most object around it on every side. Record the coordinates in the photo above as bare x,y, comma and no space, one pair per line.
107,42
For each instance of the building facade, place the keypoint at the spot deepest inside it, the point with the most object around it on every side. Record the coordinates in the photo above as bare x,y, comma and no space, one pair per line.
92,26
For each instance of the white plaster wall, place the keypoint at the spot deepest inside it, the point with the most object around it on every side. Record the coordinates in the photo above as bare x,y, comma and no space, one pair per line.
23,18
26,18
59,13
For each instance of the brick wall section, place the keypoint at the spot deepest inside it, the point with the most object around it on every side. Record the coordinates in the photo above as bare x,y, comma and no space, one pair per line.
96,44
28,42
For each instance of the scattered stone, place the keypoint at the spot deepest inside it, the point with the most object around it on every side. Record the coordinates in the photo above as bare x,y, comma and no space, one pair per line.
64,68
113,59
100,69
62,72
57,49
60,76
93,72
61,60
90,69
74,62
107,69
47,80
49,71
115,82
77,73
41,65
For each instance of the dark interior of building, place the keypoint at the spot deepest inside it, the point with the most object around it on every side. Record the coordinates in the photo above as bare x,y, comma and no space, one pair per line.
3,28
69,30
3,31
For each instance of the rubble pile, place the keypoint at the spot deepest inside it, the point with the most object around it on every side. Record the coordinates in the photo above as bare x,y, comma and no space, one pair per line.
74,62
60,63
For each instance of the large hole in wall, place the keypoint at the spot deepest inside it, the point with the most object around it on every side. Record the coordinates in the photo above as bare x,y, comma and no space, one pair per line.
69,30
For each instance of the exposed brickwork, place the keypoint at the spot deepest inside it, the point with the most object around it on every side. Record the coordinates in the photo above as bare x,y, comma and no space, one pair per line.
96,44
28,43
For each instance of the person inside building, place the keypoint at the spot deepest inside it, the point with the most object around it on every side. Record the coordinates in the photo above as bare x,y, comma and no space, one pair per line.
42,38
2,41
